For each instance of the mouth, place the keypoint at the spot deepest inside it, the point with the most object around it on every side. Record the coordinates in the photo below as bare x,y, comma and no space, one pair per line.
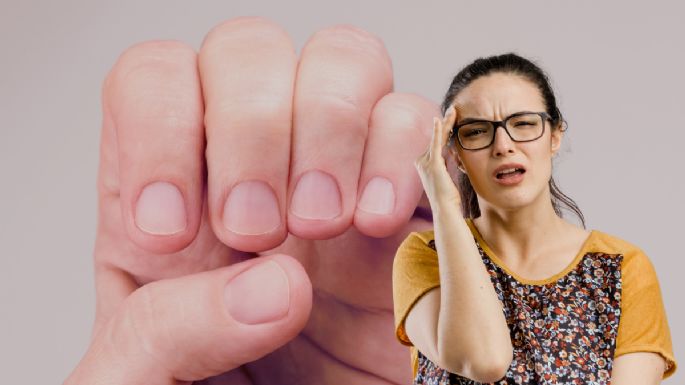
509,170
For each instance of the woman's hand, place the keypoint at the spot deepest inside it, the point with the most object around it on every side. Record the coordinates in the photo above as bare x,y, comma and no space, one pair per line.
250,206
437,182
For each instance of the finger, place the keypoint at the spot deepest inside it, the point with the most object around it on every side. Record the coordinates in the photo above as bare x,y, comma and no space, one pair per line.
436,145
152,144
201,325
390,188
342,73
450,152
447,124
248,69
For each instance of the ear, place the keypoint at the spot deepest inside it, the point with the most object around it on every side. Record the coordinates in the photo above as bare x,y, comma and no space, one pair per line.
557,136
455,154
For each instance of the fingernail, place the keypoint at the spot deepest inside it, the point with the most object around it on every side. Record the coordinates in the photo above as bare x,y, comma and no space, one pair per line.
316,196
251,209
160,209
378,196
258,295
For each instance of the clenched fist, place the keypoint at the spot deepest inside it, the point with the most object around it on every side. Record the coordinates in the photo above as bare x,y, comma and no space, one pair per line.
250,206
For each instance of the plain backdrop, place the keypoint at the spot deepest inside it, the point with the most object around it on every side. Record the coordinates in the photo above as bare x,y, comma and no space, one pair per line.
617,68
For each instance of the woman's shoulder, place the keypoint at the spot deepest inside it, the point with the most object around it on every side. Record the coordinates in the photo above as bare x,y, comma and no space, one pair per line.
419,239
633,256
423,235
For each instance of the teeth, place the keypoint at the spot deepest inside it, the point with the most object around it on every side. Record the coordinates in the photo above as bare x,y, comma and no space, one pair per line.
509,170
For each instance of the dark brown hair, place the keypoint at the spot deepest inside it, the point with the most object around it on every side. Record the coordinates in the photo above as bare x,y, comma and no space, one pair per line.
509,63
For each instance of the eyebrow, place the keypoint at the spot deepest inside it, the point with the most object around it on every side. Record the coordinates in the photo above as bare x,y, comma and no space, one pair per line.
470,120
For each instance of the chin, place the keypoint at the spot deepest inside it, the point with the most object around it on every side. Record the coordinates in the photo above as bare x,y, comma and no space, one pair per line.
510,200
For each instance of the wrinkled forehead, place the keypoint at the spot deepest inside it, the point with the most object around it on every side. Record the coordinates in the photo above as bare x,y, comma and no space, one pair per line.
497,96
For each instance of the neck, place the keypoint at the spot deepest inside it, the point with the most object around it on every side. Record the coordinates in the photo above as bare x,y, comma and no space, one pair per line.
519,235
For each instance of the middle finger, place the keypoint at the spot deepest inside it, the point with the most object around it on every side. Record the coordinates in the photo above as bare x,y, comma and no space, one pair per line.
248,67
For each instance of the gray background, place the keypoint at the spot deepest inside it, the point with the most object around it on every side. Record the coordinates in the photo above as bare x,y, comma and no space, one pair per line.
617,69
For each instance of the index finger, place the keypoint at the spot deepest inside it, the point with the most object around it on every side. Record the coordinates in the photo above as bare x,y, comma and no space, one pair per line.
449,119
441,130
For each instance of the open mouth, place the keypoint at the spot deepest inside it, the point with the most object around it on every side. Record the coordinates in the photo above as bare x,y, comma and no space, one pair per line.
510,173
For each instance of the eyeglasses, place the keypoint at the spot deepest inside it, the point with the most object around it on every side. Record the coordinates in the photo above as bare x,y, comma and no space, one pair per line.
476,134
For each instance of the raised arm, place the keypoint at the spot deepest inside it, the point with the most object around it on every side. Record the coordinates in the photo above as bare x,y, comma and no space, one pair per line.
460,325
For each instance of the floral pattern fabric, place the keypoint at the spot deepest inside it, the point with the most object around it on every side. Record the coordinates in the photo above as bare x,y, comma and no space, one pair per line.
563,332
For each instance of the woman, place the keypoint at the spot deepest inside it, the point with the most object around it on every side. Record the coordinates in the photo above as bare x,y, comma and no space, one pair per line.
521,296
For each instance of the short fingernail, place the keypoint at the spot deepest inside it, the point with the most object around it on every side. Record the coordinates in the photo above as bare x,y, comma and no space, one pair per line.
316,196
251,208
160,209
258,295
378,196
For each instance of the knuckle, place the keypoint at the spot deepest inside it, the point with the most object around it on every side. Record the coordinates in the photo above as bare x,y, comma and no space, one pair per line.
152,55
402,111
156,80
339,107
348,37
157,48
268,107
337,102
255,28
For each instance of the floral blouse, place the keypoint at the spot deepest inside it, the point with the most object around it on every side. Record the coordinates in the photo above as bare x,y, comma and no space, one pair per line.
566,329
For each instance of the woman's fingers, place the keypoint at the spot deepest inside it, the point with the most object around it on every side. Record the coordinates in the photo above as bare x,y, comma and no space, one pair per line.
201,325
342,74
248,68
389,189
432,167
447,123
152,143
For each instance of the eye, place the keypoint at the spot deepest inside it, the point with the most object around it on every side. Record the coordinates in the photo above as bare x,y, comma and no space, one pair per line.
525,121
474,130
471,132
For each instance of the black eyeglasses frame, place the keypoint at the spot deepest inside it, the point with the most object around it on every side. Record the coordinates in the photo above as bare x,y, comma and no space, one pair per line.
496,123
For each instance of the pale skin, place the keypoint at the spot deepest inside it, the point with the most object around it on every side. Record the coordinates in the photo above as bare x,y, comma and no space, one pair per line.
247,108
517,222
191,126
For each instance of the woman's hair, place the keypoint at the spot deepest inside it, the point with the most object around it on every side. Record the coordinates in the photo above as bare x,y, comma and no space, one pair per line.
509,63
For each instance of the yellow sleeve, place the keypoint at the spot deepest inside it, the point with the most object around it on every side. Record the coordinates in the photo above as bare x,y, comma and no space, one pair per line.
643,326
414,273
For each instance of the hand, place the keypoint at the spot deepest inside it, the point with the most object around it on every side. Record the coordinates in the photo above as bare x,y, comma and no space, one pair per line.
282,298
436,180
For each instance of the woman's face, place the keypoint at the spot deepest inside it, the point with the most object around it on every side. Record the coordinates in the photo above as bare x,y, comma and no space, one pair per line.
495,97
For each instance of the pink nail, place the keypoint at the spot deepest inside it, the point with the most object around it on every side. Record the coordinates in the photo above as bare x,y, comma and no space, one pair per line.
378,197
251,208
316,196
160,209
258,295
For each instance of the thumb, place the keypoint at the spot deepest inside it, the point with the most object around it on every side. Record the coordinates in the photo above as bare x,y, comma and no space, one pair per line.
200,325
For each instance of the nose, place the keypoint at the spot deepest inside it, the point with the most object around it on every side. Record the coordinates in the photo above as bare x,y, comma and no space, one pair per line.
503,143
